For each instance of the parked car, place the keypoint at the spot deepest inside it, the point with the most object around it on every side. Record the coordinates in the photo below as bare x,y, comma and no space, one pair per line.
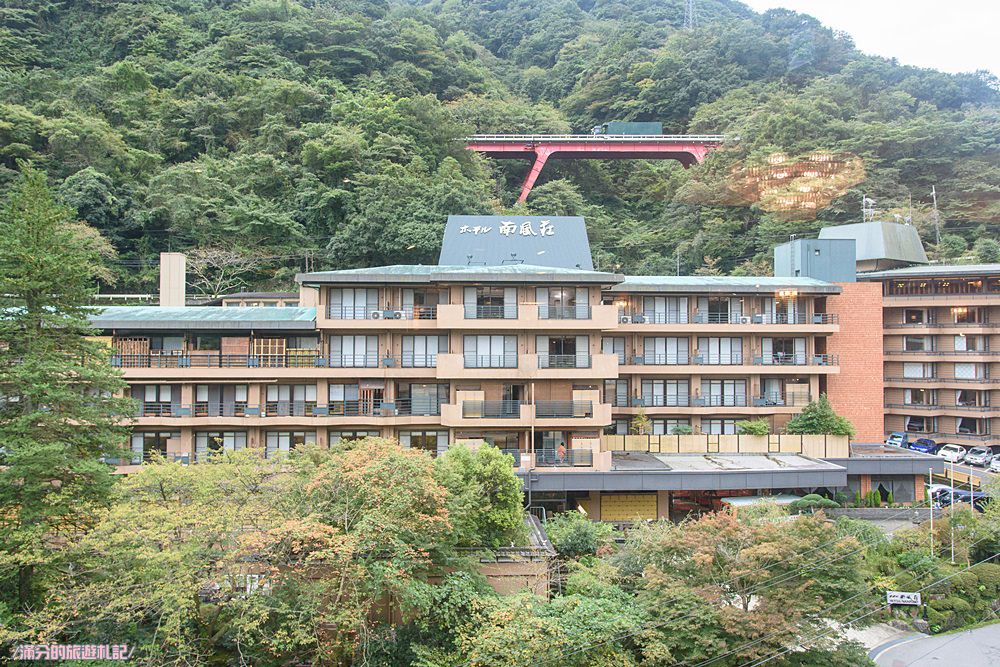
935,492
952,453
897,439
995,464
982,455
924,445
977,499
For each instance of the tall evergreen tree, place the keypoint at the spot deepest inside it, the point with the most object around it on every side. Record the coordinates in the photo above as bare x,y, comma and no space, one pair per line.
58,410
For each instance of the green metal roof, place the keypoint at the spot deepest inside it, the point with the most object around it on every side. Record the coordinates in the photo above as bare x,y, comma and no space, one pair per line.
742,284
427,273
935,271
204,318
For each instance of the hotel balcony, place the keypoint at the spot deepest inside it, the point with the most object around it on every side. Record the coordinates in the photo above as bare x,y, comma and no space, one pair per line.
391,318
291,413
478,413
700,364
515,317
213,365
685,405
939,382
763,323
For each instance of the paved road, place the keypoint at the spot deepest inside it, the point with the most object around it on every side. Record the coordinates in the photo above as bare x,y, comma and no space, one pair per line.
972,648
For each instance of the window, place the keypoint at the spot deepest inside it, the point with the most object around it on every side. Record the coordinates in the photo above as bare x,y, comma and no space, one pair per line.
342,399
617,427
145,444
616,393
422,351
302,343
420,399
435,442
353,303
970,343
726,393
563,303
665,393
157,400
914,316
354,351
290,399
669,426
665,309
205,343
918,424
720,350
207,443
282,442
337,437
911,370
783,350
422,305
917,343
972,426
718,426
965,398
220,400
965,315
493,303
659,351
970,371
919,396
166,344
719,309
614,345
490,351
563,351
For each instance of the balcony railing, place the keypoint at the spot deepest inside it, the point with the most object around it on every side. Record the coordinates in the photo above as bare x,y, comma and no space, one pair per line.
654,401
516,453
491,409
568,409
410,360
766,400
382,313
781,400
719,401
290,409
565,457
490,360
939,406
199,409
653,317
705,317
976,380
353,408
797,360
939,353
578,312
218,360
661,359
501,312
352,360
564,360
731,359
940,325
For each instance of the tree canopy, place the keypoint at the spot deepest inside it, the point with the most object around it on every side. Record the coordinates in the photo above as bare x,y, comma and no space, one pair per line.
330,130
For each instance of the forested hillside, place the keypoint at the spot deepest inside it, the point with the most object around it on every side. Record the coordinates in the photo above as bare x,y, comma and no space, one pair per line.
328,130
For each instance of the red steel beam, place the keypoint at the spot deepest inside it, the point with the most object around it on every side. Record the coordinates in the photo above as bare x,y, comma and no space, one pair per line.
687,152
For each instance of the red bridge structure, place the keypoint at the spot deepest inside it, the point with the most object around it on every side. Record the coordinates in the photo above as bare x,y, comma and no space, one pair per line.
687,149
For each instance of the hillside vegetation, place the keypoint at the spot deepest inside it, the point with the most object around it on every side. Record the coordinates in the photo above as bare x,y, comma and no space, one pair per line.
329,130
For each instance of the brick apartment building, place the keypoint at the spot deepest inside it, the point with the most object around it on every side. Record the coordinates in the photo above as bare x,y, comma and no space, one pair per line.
546,359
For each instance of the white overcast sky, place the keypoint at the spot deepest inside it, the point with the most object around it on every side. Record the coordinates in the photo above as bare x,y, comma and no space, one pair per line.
949,35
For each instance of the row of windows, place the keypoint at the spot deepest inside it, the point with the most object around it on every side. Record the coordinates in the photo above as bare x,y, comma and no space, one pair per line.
713,426
961,343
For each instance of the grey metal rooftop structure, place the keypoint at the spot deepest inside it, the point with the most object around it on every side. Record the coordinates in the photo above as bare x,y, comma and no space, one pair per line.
204,318
497,240
427,274
880,245
725,284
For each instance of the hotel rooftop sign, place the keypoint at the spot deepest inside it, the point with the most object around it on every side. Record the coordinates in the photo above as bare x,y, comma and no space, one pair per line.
495,240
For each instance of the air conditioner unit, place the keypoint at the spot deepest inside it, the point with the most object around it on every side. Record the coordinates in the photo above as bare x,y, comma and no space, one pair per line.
746,319
399,315
375,314
625,319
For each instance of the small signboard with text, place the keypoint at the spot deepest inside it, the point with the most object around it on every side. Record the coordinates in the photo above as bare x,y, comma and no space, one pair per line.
901,597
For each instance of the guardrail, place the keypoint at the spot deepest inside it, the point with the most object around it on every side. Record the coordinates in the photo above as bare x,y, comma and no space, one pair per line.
353,408
410,360
504,312
381,313
940,325
941,379
941,353
491,409
490,361
579,312
661,359
568,409
564,361
938,406
554,457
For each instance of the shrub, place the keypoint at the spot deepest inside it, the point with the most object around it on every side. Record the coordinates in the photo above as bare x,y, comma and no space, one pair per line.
818,418
753,427
574,535
813,501
683,429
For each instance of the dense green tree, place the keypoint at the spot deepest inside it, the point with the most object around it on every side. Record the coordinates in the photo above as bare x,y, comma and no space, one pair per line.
58,416
818,418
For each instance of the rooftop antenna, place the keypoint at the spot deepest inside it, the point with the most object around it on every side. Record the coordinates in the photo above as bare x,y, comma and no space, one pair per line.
689,15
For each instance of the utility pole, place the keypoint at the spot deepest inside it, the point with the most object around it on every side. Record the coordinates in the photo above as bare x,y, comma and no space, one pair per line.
937,217
677,257
951,513
930,480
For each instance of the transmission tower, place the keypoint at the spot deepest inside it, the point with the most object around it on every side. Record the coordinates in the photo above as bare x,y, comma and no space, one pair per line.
689,14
